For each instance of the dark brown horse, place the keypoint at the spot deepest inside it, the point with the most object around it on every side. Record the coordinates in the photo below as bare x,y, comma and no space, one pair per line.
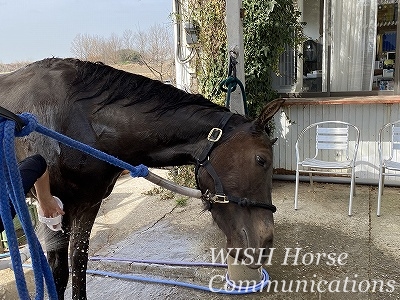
140,121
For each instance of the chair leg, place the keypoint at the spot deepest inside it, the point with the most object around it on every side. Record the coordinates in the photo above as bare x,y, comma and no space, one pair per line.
352,188
383,178
296,189
311,181
380,191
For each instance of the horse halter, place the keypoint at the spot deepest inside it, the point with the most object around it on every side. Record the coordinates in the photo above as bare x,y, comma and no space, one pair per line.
204,161
19,123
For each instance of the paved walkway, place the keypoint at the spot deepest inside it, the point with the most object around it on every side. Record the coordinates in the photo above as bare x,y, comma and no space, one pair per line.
364,248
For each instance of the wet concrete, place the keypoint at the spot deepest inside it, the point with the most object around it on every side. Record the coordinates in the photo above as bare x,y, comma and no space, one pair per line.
359,255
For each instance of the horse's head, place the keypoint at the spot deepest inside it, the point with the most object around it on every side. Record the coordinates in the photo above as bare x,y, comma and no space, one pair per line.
243,164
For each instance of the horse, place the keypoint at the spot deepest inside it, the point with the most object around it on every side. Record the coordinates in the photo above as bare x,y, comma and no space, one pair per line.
140,121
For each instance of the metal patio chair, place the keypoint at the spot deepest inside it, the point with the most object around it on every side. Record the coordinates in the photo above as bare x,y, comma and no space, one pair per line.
391,165
332,152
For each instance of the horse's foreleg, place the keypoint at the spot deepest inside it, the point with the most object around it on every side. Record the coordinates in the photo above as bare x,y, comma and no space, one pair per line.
57,256
79,246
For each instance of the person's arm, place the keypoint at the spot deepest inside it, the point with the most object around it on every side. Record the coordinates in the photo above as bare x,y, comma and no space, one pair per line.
46,201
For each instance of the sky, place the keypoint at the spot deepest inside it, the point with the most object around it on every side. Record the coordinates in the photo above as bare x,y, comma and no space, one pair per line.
31,30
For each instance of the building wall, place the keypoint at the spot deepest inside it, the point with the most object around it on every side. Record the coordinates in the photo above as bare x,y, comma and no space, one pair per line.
369,114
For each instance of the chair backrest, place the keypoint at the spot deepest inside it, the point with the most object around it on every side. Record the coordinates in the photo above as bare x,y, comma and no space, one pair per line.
394,138
334,138
332,135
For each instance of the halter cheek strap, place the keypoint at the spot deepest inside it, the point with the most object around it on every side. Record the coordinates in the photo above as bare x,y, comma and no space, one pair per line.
203,161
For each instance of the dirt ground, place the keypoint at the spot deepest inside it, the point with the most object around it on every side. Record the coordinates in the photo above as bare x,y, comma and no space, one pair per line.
133,225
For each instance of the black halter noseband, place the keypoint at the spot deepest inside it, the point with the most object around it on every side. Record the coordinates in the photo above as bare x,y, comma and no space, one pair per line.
203,161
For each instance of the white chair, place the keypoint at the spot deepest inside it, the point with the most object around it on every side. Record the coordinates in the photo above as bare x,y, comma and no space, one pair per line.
389,166
333,152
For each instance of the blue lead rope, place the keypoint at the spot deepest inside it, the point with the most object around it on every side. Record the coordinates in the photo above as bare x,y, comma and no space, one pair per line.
33,125
10,181
11,189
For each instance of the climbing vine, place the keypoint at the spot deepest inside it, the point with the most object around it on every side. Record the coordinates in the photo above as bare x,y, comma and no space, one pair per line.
211,56
268,27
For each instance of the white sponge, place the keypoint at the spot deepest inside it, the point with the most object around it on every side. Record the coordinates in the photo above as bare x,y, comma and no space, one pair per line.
53,223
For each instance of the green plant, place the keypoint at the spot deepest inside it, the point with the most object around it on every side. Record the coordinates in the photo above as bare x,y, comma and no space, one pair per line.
211,60
268,27
164,194
181,201
183,175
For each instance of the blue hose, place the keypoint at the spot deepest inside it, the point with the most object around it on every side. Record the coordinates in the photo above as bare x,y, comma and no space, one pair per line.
257,287
230,288
4,255
235,290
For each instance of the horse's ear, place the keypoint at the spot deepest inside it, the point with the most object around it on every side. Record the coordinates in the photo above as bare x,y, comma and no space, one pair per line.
269,111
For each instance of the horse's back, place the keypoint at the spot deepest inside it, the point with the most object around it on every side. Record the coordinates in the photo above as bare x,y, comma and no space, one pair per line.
39,88
36,85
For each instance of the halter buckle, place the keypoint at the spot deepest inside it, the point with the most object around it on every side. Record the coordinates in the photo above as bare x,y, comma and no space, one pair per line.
214,134
220,199
207,196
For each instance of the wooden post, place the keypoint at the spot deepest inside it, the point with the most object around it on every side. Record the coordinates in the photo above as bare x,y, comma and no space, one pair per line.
234,30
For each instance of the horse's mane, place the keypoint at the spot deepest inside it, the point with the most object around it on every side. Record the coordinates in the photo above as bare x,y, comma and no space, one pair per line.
108,85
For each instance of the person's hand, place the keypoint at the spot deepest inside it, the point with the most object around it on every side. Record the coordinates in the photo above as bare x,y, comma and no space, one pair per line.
48,204
50,207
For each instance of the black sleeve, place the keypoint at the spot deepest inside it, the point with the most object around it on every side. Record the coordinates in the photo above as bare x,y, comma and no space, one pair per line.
31,168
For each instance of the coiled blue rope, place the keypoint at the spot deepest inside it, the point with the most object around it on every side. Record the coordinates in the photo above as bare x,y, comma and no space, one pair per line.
229,85
11,187
10,180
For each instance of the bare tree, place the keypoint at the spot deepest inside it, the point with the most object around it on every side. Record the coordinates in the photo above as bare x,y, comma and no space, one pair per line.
153,48
87,47
111,48
156,50
128,39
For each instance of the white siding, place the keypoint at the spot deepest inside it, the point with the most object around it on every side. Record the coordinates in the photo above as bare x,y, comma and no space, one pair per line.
369,118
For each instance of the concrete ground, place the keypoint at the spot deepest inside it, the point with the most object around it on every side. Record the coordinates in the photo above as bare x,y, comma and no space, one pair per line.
132,225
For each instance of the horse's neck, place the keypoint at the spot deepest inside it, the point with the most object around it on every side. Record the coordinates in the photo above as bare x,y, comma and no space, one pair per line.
186,140
169,139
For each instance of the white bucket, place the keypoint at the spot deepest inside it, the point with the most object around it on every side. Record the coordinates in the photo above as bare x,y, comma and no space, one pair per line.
238,272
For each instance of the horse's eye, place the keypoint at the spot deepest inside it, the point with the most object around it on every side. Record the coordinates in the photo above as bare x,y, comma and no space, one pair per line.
261,161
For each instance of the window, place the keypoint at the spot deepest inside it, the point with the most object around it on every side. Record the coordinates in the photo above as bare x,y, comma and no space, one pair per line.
350,48
385,45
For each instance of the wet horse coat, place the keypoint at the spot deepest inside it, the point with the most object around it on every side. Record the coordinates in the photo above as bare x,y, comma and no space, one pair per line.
140,121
